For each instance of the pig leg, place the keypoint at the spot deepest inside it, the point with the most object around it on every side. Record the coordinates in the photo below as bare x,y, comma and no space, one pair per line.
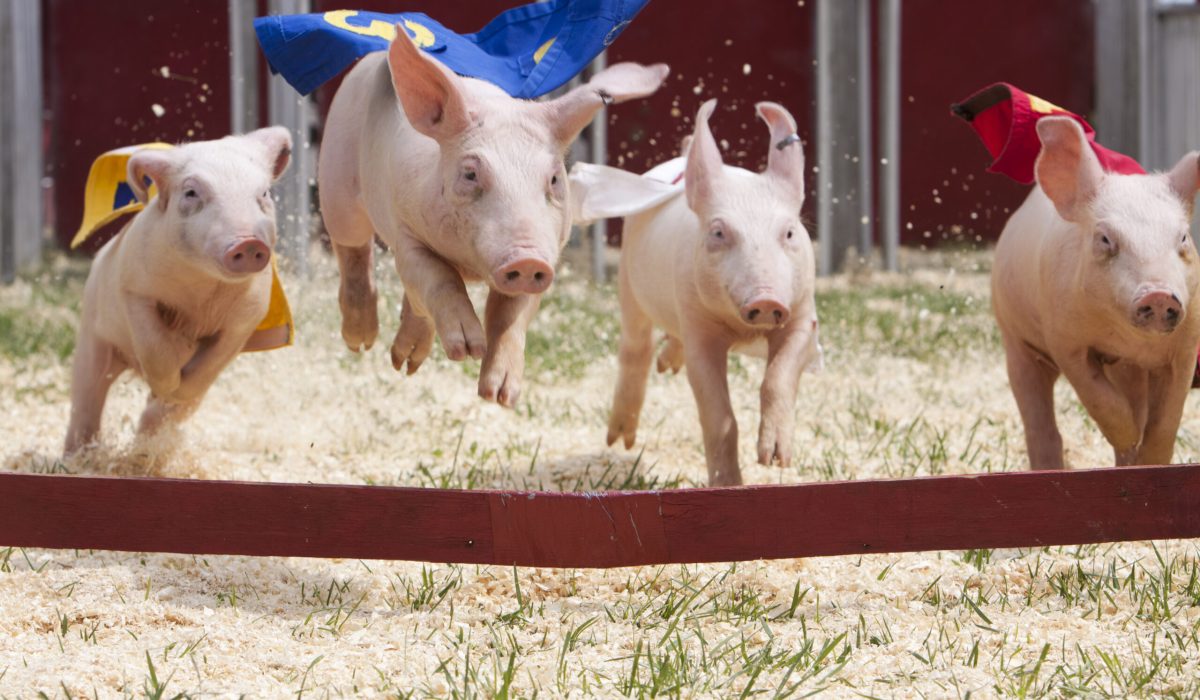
671,356
1167,393
436,290
1103,401
414,338
357,296
213,354
1032,381
160,352
159,412
353,237
507,319
706,355
637,349
1133,383
96,367
788,353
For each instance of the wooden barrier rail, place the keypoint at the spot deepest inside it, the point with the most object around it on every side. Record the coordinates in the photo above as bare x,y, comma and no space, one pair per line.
595,530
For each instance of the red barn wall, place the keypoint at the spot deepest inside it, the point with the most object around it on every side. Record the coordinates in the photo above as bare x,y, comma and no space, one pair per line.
103,78
104,74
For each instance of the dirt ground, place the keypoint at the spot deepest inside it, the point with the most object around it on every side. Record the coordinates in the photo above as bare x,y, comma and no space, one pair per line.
914,385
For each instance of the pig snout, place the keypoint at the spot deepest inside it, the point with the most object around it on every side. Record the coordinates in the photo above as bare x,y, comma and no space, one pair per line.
523,275
764,311
1157,310
246,256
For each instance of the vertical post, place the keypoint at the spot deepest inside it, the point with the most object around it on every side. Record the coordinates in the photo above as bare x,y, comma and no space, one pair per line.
287,108
1176,94
839,149
20,136
243,67
1122,75
598,144
1143,28
865,158
889,100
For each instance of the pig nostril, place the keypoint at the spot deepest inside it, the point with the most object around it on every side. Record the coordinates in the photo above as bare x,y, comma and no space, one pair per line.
539,276
1145,311
237,256
778,315
510,276
753,314
1172,314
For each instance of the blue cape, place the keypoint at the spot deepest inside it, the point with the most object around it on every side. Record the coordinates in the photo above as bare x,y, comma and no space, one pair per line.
526,51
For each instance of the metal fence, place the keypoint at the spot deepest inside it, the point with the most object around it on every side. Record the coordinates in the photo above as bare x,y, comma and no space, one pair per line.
1148,95
21,223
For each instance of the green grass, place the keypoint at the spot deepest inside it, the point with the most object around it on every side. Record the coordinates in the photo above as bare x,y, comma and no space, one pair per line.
572,331
911,320
42,324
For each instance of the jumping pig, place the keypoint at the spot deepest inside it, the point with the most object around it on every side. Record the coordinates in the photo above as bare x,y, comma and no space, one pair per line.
175,295
728,266
1095,277
463,183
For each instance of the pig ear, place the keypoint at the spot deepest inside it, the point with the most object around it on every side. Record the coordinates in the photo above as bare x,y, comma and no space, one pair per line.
430,94
1067,169
703,160
277,144
1185,178
785,157
569,114
154,165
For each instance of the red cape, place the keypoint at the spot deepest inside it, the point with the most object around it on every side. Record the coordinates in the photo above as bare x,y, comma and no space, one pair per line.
1004,117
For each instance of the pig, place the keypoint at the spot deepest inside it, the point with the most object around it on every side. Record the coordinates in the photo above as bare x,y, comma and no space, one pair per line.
1095,278
463,183
728,266
175,295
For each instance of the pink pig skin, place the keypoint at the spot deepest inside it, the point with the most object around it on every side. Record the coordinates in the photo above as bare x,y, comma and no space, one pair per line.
175,295
463,183
1095,277
728,267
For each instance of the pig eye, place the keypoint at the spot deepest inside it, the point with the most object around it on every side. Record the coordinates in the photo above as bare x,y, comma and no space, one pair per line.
553,180
790,233
470,175
191,194
718,233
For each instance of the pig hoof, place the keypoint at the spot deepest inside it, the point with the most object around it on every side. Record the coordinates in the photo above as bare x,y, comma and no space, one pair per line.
413,342
356,339
464,341
502,387
360,322
671,357
627,434
772,455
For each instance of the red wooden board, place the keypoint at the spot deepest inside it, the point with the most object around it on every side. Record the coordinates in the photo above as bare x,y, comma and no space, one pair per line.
587,530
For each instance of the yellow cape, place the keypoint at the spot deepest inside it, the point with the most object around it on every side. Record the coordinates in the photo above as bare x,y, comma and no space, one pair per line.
107,197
